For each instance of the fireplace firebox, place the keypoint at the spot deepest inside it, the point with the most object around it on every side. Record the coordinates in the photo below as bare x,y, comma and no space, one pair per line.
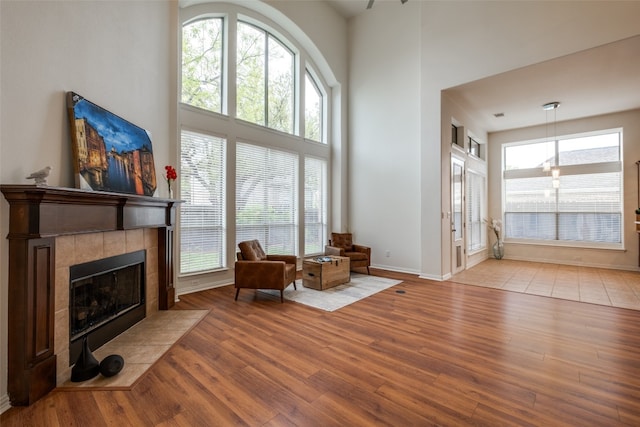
106,297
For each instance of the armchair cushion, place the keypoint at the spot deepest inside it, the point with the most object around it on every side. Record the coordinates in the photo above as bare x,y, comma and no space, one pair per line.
342,240
252,251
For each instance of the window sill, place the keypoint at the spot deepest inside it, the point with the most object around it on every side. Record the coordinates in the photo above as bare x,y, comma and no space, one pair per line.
573,245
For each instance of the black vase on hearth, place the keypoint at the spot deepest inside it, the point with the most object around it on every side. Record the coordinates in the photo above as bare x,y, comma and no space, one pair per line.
86,366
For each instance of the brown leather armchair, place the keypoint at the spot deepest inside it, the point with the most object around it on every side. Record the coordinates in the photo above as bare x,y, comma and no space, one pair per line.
341,244
256,270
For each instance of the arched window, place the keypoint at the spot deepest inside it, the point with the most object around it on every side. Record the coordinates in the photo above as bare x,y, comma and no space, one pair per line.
264,79
202,42
250,104
313,109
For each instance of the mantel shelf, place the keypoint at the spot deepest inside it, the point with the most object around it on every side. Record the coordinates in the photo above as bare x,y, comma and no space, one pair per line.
43,211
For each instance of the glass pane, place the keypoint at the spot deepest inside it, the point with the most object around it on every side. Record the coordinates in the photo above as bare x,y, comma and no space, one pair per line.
280,86
529,195
528,225
266,198
312,110
529,155
590,227
202,64
202,187
590,149
457,200
315,205
250,86
598,192
475,201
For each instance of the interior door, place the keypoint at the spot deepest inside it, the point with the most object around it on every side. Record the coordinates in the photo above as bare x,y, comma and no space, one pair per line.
457,215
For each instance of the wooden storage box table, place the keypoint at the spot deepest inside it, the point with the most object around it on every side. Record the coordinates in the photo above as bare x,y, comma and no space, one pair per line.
322,275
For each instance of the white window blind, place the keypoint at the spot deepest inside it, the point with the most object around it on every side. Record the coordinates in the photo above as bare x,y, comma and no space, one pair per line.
202,214
587,205
476,229
267,198
315,205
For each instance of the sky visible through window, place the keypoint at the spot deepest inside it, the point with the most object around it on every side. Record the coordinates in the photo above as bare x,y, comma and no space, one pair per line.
532,155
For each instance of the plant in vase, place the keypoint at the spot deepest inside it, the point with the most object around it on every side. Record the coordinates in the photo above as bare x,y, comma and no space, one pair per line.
171,175
498,246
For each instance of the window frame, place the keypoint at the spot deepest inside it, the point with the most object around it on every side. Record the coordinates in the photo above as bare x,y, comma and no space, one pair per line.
566,171
236,130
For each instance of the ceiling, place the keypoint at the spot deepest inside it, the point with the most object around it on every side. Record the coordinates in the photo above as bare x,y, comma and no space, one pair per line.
349,8
601,80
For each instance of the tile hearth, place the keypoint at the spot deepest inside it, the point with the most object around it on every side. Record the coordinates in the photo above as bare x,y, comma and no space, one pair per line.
141,346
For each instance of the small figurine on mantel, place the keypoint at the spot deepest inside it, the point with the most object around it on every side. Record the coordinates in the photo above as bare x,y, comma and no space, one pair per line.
40,176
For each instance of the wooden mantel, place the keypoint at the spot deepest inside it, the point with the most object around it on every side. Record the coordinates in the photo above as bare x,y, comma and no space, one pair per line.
37,215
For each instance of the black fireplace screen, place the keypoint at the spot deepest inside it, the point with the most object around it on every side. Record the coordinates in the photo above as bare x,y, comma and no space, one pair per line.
106,298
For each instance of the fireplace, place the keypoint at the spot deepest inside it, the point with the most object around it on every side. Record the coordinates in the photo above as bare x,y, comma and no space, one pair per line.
52,229
106,297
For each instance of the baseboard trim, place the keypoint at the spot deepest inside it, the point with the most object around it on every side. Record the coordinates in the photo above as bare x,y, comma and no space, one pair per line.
395,269
433,277
201,287
4,403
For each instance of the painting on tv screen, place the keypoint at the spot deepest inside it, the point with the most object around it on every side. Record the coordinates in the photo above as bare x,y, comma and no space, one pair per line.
110,153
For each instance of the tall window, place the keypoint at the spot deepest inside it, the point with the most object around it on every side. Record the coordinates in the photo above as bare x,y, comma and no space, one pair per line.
312,110
202,64
315,205
265,79
267,198
476,190
202,187
586,205
245,99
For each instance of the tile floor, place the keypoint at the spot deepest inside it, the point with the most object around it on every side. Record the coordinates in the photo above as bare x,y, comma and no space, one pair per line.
616,288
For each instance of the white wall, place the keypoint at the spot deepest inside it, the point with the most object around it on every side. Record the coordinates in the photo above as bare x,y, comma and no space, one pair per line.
452,43
119,55
384,134
626,259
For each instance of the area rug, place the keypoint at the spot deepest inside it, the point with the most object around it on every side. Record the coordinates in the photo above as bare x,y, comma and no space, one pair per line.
140,346
360,286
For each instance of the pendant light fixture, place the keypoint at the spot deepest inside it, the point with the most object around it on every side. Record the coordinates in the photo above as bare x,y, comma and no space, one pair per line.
546,166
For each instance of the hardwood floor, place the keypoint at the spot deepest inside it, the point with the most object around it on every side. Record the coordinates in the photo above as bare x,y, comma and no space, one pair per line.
441,353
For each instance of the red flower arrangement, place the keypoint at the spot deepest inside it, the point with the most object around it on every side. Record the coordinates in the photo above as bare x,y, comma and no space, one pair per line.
170,175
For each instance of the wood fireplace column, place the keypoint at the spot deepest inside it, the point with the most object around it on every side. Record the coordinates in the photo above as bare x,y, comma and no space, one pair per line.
37,214
32,362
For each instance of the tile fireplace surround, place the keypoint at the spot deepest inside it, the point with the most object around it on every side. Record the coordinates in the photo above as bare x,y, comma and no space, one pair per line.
52,228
